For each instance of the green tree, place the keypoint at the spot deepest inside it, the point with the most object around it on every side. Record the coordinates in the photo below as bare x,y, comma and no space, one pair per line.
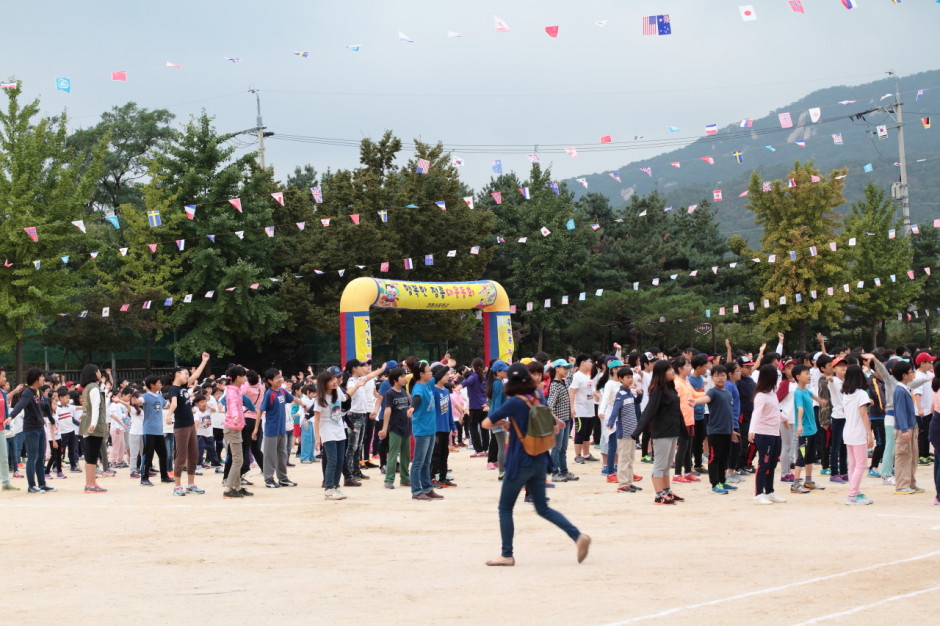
926,246
879,257
794,219
43,184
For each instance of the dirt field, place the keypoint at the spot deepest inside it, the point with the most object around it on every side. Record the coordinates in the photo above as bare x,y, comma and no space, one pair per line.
289,556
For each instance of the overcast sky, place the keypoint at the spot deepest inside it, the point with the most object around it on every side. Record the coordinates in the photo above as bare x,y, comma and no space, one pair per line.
486,87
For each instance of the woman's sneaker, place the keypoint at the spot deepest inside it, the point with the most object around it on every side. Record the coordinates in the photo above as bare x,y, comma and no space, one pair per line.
874,473
663,500
887,480
860,499
797,487
773,497
719,489
559,478
762,499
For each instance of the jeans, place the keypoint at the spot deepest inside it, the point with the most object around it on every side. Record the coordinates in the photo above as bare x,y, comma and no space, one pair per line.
421,465
837,463
878,430
560,451
532,477
887,461
768,449
335,456
4,463
35,451
307,441
611,453
357,427
169,443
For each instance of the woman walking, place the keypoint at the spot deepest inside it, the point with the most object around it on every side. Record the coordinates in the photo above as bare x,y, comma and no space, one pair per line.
522,469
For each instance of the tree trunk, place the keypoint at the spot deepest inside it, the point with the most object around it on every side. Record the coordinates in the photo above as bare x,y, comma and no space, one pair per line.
801,341
541,336
874,335
149,351
927,343
20,366
884,332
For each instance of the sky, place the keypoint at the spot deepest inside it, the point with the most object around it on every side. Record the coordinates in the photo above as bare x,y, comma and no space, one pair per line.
520,88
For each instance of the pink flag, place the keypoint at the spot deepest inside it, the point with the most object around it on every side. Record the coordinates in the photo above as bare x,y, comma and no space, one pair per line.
497,197
355,218
785,121
910,274
384,267
174,65
832,246
325,221
676,164
152,246
237,203
31,231
300,225
716,195
692,208
501,26
123,251
119,76
552,31
125,307
253,286
279,196
606,139
181,244
240,234
572,152
146,304
743,194
708,160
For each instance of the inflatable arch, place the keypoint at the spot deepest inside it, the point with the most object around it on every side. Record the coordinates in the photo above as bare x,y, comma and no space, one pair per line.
355,328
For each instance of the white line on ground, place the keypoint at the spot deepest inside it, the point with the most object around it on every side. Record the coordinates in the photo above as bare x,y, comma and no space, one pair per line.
930,517
759,592
865,607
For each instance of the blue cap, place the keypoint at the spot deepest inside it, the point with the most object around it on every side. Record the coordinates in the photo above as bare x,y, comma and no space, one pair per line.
561,363
499,366
390,364
335,371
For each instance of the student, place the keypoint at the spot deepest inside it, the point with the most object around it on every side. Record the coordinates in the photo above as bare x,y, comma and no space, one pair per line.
203,417
53,438
524,470
35,427
734,376
905,432
117,413
876,415
94,424
233,429
458,406
184,428
581,397
135,433
607,387
767,421
683,368
746,386
154,443
63,417
423,424
396,428
494,391
837,462
253,437
857,434
623,418
6,453
923,400
719,429
476,401
274,406
934,434
785,392
805,421
697,380
330,432
559,401
663,418
307,442
444,426
360,389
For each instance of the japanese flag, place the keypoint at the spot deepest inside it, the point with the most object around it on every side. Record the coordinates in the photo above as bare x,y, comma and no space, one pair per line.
747,13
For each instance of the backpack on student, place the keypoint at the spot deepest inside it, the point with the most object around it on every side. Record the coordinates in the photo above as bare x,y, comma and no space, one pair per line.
540,432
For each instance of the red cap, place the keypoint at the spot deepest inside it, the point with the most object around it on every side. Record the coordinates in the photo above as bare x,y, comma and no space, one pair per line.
924,357
838,361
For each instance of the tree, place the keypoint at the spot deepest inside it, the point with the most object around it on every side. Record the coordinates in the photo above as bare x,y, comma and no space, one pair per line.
43,184
879,258
133,135
794,219
926,248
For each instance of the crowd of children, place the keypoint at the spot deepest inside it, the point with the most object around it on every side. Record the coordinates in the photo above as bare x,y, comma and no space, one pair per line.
849,413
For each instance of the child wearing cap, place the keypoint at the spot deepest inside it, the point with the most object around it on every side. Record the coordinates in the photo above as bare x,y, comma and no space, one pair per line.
560,404
496,454
609,386
923,399
623,418
444,424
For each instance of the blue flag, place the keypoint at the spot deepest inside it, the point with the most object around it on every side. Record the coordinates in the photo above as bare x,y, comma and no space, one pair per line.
114,221
63,84
554,187
570,224
497,167
869,168
154,218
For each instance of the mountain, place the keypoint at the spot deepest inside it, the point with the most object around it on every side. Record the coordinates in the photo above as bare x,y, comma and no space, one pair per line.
695,180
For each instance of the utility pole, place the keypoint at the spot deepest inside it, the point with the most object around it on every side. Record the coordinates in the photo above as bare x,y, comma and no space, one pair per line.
901,191
259,128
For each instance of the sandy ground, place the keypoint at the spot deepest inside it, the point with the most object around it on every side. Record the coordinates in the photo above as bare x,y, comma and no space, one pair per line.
289,556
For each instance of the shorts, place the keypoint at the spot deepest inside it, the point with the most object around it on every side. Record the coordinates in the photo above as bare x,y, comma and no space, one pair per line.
91,449
806,451
584,429
664,456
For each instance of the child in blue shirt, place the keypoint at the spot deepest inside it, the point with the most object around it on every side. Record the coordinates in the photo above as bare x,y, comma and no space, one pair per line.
805,421
623,416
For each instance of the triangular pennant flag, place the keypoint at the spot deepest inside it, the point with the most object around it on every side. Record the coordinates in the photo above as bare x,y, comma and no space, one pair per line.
475,250
181,244
564,299
240,234
595,226
676,164
188,297
429,259
301,225
114,221
119,76
125,307
383,267
409,264
93,255
340,272
237,203
552,31
525,192
153,247
279,196
269,231
497,197
468,200
230,289
501,26
554,187
833,246
65,259
355,218
545,232
168,302
190,210
146,305
253,286
106,311
570,224
383,215
692,208
451,253
325,221
209,294
123,251
523,239
31,231
79,224
317,195
441,205
211,238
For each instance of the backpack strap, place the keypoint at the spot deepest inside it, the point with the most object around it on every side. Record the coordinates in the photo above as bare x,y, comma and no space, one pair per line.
529,402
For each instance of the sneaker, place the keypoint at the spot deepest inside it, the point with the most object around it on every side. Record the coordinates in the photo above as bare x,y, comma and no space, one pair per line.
406,483
17,475
9,487
860,499
692,478
420,496
571,477
230,493
389,485
773,497
339,492
749,469
35,489
95,489
637,478
681,479
923,461
270,484
61,475
559,478
577,459
75,470
786,478
874,473
590,457
719,488
646,459
734,479
729,487
612,478
501,474
109,473
449,483
352,482
194,489
48,476
798,488
627,489
662,500
287,483
825,472
762,499
918,490
179,491
361,477
51,488
675,497
381,469
476,455
936,501
887,480
146,483
247,482
433,495
494,466
699,469
166,480
836,479
435,483
245,492
811,485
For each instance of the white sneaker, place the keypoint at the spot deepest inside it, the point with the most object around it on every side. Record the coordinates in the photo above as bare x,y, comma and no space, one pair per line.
774,498
762,499
328,493
338,495
887,480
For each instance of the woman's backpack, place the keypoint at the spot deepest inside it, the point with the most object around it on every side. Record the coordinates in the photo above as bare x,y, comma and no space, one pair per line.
540,432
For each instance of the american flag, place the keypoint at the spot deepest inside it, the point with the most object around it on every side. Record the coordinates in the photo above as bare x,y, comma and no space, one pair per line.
657,25
424,166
